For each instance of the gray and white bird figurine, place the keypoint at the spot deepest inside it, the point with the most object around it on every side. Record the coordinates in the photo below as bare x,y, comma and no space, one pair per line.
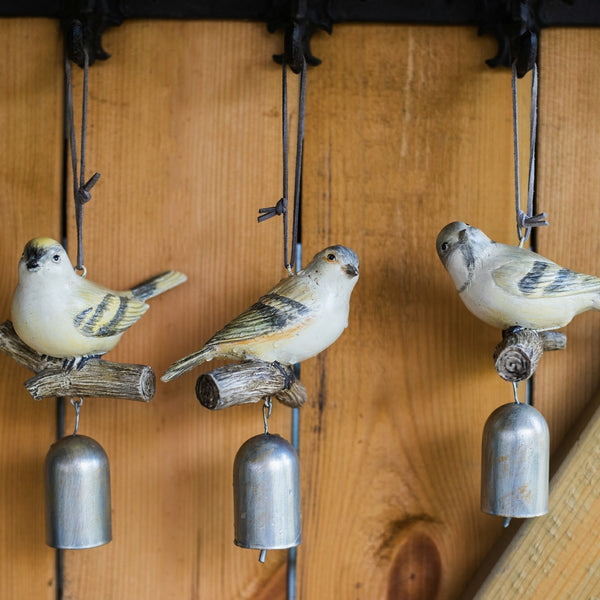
507,286
61,314
301,316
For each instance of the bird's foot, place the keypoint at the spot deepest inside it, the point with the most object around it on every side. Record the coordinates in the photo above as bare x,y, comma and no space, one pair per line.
287,380
78,362
513,329
68,364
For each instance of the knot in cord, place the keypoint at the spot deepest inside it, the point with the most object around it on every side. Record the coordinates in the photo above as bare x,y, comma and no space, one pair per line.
83,193
526,221
279,209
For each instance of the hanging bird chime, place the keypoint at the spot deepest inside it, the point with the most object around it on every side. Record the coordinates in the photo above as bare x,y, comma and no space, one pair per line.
528,297
298,318
63,324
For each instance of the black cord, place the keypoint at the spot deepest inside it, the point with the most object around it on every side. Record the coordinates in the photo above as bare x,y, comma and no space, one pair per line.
281,208
81,191
299,151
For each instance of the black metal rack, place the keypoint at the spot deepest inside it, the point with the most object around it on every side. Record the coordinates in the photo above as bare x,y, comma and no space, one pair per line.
515,23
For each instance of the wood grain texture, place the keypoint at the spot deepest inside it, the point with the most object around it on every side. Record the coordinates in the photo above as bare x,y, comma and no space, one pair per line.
405,133
30,171
568,189
249,381
517,356
406,130
184,126
557,555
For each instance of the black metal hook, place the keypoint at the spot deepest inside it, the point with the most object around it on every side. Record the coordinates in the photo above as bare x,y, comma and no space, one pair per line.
515,24
301,19
84,22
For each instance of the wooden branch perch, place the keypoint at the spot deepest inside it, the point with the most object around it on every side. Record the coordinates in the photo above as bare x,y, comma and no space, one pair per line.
517,356
249,381
97,378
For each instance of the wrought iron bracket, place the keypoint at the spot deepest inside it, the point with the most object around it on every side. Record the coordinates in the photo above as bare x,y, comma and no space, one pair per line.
300,19
83,23
516,24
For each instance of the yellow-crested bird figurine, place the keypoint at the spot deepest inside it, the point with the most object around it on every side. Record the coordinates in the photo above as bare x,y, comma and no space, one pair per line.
301,316
61,314
507,286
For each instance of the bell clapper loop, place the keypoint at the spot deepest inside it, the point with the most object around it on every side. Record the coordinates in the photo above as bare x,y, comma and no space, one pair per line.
267,408
515,385
77,404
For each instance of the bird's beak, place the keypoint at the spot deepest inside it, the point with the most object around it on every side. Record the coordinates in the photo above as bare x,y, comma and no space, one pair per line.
32,264
463,235
351,270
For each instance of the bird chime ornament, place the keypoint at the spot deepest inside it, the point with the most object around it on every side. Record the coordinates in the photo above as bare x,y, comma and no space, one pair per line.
63,324
528,297
298,318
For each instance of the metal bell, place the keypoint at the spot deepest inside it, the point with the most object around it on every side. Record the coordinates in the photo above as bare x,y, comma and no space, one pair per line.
77,478
515,461
266,494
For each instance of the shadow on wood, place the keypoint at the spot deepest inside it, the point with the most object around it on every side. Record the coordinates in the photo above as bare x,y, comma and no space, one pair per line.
249,381
97,378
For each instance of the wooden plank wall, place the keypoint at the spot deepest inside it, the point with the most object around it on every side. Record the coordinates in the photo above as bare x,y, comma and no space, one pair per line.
406,130
30,192
404,395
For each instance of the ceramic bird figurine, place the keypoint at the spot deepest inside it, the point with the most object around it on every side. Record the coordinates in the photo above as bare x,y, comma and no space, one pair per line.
301,316
508,286
60,314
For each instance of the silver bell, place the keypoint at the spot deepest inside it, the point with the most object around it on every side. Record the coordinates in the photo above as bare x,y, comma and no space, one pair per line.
266,494
515,460
77,478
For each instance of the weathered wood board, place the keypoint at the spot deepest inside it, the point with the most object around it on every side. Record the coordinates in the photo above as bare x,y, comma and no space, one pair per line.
30,197
406,130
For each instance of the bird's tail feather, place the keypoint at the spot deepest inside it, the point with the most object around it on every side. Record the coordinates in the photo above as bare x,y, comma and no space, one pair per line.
158,284
187,363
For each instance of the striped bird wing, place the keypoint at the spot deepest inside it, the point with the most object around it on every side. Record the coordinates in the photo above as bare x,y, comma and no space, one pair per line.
107,314
290,303
538,277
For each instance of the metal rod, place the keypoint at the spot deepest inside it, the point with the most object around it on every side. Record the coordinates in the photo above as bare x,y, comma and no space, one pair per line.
293,552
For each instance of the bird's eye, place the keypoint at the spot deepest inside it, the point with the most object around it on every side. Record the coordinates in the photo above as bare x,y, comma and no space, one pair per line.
331,257
56,258
445,246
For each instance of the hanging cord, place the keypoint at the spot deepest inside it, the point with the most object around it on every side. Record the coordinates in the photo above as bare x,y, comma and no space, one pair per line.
526,220
299,153
81,192
281,208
